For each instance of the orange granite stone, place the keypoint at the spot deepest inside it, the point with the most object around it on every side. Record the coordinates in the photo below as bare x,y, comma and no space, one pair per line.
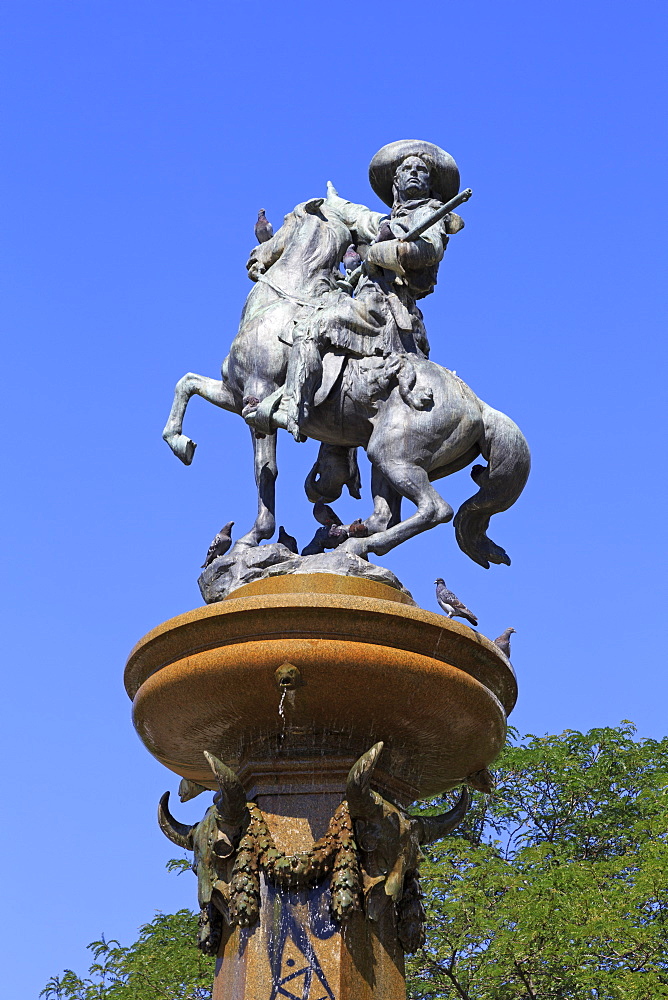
372,668
360,662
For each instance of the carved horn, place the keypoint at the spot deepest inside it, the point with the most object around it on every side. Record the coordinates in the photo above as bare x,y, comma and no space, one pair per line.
435,827
363,802
178,833
190,789
231,806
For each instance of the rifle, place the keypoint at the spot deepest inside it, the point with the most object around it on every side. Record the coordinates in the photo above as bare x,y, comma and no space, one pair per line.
436,216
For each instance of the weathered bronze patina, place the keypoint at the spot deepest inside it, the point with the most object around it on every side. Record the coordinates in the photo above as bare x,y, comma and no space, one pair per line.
345,360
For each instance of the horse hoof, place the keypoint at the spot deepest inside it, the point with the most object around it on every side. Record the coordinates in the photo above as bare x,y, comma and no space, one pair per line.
183,448
498,555
358,547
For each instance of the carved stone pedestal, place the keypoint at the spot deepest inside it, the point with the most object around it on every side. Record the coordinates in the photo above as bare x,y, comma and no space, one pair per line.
298,949
288,682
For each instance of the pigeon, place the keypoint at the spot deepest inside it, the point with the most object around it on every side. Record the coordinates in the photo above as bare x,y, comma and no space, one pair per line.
503,641
289,541
263,228
336,533
451,604
328,537
351,259
324,514
358,529
220,544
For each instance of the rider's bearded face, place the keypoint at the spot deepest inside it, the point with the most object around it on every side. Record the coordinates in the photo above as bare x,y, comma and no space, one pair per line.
412,178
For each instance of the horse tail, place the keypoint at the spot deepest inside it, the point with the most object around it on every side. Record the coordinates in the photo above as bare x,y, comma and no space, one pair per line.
500,483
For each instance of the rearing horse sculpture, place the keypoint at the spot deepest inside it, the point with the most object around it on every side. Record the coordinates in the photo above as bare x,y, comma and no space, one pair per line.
408,447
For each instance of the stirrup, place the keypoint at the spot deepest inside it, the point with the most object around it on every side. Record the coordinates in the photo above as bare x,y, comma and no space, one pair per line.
262,418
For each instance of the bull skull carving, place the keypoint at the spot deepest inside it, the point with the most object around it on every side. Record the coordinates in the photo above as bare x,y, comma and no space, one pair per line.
391,841
213,840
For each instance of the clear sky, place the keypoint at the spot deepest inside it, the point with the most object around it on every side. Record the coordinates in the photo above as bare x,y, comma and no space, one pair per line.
140,139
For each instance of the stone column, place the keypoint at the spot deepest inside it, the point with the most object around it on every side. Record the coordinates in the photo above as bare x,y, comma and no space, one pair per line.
298,950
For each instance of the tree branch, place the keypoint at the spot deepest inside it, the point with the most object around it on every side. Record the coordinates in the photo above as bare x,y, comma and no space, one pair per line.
457,985
525,979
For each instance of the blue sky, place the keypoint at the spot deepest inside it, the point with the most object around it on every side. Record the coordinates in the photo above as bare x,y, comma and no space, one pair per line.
139,141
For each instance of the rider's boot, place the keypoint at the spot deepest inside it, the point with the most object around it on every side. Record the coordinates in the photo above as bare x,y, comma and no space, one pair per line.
290,407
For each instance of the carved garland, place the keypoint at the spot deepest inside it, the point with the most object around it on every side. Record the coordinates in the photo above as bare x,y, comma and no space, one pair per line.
335,854
389,837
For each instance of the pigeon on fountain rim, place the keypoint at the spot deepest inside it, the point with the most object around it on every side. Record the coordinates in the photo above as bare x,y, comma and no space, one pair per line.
503,641
451,604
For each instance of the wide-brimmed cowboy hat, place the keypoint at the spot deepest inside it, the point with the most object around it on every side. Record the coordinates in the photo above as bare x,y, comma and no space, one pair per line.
444,171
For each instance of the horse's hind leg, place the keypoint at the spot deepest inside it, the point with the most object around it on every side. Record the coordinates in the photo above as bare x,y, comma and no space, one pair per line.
386,504
211,389
412,482
266,472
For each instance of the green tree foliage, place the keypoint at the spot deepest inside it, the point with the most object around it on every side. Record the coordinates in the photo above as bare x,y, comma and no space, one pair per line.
163,964
559,888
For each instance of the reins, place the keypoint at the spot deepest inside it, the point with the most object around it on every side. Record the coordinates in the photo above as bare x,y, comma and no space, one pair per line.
312,304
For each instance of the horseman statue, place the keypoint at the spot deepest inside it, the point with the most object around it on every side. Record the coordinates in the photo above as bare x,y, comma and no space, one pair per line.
345,360
415,179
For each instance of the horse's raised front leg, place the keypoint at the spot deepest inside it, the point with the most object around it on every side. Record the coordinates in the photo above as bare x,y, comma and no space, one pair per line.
214,390
266,471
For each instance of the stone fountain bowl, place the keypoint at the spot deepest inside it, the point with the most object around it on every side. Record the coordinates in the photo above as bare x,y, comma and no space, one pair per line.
304,673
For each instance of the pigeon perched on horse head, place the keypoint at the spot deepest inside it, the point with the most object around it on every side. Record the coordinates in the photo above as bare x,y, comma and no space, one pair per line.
263,228
503,641
220,544
451,604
